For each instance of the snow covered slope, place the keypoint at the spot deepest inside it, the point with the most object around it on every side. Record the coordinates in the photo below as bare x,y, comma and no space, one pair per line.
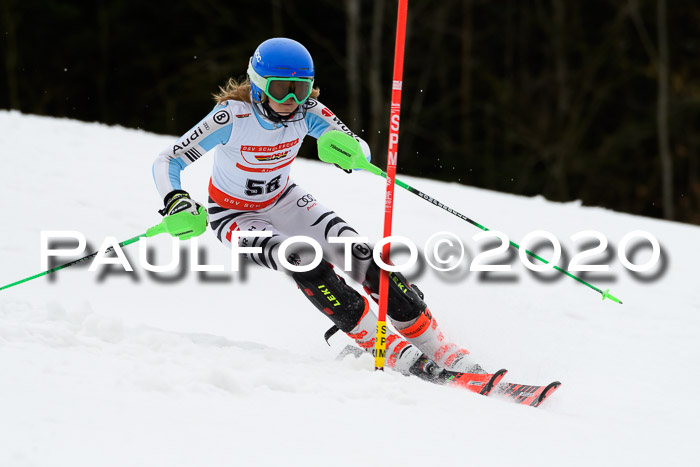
130,369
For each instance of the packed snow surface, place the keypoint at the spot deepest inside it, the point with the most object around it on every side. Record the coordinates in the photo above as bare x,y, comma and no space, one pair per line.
114,368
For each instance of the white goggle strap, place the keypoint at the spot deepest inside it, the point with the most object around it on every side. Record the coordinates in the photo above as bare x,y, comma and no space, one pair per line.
258,80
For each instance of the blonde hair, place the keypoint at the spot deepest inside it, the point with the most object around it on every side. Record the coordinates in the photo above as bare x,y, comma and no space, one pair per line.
236,90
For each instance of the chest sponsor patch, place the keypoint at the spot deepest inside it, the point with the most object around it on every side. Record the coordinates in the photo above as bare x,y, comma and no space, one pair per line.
275,148
269,153
271,157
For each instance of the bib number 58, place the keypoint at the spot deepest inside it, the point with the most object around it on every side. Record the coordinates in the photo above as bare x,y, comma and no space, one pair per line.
259,187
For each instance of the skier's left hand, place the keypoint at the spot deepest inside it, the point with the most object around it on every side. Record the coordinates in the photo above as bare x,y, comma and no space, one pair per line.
366,152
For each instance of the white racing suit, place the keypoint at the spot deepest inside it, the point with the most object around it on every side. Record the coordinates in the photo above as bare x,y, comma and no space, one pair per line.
250,190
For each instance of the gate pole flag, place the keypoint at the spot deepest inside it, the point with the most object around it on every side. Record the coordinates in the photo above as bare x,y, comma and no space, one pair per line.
380,346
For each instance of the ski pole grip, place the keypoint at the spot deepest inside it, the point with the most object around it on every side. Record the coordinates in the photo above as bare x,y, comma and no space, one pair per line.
336,147
156,230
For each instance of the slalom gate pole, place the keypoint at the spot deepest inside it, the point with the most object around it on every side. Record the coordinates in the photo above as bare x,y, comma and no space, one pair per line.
392,156
338,148
176,225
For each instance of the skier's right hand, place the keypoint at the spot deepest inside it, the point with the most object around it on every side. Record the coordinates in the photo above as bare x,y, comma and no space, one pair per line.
179,201
184,217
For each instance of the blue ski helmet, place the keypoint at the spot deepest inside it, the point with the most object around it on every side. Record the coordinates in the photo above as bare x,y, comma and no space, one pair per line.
280,57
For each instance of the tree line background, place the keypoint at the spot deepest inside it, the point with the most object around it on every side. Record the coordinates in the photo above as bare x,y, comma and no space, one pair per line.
597,100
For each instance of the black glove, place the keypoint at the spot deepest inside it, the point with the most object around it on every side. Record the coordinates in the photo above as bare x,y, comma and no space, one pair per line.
347,171
178,201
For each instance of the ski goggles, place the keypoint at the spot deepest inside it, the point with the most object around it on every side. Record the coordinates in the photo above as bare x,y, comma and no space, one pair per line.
279,89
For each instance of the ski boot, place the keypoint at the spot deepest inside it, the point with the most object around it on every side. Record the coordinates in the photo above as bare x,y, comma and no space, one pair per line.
350,313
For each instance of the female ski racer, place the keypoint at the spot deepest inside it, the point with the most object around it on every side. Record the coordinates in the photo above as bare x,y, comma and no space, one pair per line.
255,132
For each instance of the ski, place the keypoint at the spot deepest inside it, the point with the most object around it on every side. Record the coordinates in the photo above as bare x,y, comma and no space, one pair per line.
480,383
427,370
524,394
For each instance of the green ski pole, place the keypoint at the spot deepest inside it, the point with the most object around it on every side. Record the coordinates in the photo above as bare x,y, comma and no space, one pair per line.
336,147
177,225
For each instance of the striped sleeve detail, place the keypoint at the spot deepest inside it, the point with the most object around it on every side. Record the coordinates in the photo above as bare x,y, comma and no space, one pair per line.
193,154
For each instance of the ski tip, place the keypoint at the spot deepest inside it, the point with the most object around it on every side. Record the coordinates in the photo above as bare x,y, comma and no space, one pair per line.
548,390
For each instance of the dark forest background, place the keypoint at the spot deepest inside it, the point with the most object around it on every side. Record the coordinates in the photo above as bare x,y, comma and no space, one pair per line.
596,100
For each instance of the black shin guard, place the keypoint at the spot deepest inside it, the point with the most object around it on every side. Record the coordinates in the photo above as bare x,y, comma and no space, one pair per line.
405,301
332,296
